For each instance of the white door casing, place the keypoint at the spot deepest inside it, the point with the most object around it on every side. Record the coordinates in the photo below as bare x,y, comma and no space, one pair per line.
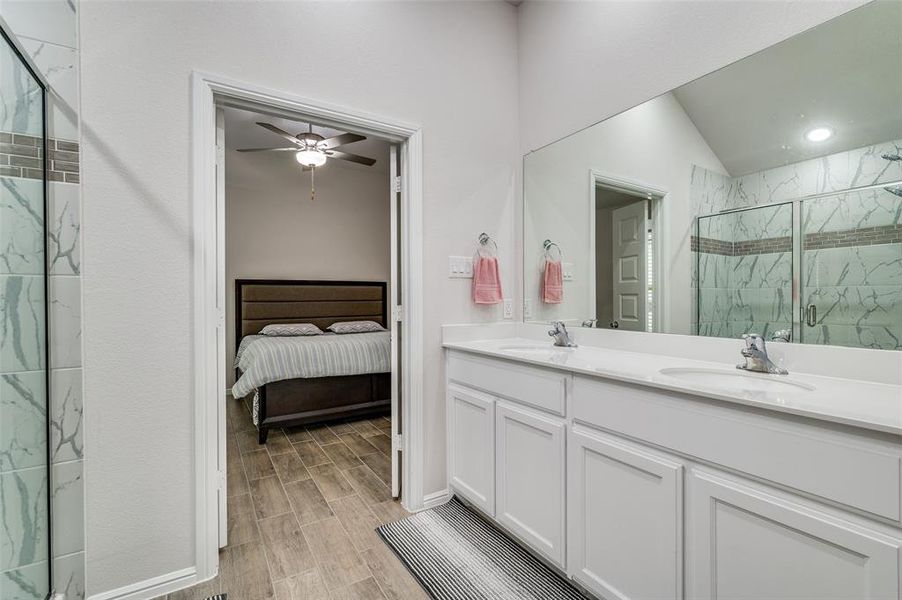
395,318
220,327
629,257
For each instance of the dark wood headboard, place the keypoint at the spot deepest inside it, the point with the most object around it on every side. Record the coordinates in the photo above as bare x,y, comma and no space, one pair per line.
261,302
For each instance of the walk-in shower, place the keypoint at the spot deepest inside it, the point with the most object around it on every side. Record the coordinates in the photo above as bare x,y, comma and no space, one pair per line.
826,267
25,539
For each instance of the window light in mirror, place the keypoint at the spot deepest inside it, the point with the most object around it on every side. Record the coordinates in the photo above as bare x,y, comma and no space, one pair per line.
819,134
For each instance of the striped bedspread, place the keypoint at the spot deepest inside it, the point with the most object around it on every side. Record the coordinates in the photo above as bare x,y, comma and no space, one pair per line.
263,359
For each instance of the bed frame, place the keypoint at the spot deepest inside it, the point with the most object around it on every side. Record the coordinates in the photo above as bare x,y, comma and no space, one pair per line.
291,402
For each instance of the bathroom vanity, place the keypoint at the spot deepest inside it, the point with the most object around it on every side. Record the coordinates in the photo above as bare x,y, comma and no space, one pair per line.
656,477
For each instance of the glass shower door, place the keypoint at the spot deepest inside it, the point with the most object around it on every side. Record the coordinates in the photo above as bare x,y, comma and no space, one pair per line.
24,467
745,271
851,277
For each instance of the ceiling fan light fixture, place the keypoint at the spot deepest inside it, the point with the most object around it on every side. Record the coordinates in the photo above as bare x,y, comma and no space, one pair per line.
311,158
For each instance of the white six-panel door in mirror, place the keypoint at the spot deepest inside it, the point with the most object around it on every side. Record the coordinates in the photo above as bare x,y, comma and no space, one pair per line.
629,255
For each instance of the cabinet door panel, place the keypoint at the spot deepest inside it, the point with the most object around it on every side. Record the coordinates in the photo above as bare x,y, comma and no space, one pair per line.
625,518
471,446
749,543
530,478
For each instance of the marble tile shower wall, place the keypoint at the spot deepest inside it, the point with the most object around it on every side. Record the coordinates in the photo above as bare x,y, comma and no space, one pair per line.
746,272
851,265
47,31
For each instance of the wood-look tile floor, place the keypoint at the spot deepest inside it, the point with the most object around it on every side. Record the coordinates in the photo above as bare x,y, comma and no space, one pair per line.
302,513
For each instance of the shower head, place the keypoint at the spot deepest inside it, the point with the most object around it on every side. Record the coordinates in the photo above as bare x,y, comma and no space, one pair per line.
894,189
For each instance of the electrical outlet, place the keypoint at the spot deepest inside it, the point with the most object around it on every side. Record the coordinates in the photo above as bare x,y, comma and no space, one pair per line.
567,269
527,309
508,308
460,267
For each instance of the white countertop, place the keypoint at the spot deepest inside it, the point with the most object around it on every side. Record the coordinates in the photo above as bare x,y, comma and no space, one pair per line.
875,406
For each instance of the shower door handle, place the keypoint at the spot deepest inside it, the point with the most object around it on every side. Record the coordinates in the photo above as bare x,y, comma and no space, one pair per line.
811,315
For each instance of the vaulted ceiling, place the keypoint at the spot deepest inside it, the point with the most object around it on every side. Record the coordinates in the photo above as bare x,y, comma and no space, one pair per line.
845,74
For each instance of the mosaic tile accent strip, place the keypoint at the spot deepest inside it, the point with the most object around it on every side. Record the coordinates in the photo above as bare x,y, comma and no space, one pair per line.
742,248
765,246
711,246
864,236
20,156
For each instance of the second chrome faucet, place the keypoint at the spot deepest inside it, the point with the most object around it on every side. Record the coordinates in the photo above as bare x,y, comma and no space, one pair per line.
756,358
560,334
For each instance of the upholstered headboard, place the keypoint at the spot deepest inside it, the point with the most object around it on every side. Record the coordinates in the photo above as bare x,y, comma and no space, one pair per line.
260,302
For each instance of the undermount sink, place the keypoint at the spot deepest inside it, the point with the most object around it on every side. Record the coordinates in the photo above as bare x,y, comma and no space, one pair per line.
737,380
532,350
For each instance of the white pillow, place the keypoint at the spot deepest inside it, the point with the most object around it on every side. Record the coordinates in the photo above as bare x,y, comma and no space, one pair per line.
290,329
355,327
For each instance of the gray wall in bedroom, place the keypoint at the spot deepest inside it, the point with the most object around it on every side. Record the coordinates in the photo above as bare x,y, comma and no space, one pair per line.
275,231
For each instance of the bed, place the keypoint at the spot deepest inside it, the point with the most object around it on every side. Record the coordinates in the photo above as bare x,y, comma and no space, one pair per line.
312,393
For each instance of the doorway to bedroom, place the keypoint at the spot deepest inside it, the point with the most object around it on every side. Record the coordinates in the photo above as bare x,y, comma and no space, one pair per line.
312,339
361,497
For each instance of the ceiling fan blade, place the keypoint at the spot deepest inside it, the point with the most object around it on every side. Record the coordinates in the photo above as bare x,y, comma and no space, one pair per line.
341,140
278,131
294,149
355,158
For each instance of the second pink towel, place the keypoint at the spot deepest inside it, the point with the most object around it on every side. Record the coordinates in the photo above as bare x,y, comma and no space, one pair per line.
553,282
486,280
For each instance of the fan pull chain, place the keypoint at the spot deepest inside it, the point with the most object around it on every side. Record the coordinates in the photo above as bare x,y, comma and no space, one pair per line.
312,184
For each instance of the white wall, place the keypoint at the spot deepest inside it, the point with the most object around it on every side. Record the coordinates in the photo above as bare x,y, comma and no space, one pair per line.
274,230
654,144
450,67
583,61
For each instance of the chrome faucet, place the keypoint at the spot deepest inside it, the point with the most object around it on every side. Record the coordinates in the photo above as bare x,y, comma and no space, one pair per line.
781,335
590,322
756,359
560,334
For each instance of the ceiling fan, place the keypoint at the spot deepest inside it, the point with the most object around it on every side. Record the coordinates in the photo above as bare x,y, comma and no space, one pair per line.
312,150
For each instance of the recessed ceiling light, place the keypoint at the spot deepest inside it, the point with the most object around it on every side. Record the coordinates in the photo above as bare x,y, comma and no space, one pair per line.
819,134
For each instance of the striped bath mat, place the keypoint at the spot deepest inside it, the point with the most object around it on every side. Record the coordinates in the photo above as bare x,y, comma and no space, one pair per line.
456,555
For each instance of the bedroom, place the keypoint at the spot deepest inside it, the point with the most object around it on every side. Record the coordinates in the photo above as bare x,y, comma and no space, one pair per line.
309,403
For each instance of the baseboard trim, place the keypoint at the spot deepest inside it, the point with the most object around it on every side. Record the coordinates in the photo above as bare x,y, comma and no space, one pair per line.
153,587
436,498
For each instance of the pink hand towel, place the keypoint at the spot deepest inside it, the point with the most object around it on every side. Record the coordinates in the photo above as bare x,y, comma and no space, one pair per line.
486,280
553,282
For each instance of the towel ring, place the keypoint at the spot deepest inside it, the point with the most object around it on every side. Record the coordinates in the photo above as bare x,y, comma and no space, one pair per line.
484,241
547,245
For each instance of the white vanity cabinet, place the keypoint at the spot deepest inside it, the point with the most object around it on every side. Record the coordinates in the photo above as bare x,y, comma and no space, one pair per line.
507,446
530,477
625,514
471,446
641,493
747,541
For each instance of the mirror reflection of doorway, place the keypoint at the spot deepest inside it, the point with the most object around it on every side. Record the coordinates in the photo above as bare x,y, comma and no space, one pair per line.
623,253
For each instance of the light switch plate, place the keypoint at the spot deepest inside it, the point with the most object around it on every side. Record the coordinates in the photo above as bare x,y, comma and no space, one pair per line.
508,308
567,269
527,309
460,267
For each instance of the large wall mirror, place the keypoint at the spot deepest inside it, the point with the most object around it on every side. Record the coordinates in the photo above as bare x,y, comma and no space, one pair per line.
765,197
